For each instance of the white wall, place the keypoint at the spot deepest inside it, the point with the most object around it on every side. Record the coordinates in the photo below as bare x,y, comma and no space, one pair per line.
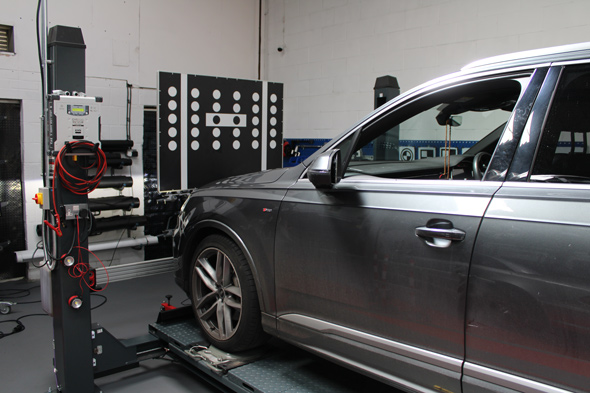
128,41
335,49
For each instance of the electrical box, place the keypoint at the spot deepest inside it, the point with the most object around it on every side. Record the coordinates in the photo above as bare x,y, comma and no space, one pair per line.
73,118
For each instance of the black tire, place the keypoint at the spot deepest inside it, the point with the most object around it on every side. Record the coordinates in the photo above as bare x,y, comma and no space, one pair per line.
224,297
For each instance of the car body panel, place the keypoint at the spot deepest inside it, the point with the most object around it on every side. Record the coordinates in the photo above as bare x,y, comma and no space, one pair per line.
529,298
374,283
243,208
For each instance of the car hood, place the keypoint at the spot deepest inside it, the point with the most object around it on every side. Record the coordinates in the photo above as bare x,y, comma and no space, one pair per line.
256,178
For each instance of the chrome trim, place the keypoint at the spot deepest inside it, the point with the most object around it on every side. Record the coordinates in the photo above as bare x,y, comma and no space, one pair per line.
371,370
422,355
570,62
506,380
563,186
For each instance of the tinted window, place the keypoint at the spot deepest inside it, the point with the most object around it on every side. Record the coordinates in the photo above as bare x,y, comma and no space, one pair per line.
438,136
563,154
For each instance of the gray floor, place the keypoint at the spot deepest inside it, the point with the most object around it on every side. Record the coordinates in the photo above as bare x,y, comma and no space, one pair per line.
26,357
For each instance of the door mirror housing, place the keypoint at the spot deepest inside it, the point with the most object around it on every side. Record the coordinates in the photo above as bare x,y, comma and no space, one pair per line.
324,171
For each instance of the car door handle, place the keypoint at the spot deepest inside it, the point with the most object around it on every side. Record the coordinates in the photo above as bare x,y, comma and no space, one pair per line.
440,233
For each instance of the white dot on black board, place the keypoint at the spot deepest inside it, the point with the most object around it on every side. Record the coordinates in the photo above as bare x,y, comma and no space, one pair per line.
255,132
255,109
273,98
172,118
273,144
195,106
236,132
255,121
255,145
172,132
195,132
172,145
236,145
216,94
255,97
172,105
237,108
273,133
195,119
172,91
216,145
195,145
216,132
237,95
195,92
216,107
273,121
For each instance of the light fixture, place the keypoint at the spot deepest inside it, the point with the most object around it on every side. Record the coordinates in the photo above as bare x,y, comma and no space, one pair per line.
69,261
75,302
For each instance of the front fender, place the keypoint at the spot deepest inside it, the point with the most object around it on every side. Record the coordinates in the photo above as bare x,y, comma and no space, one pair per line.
249,222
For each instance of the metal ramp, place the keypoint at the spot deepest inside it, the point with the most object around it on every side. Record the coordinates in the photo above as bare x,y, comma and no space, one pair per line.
277,367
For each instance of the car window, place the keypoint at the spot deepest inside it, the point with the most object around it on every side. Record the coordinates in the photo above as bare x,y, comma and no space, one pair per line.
563,155
450,134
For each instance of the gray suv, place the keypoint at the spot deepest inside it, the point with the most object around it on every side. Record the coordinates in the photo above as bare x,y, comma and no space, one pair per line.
442,244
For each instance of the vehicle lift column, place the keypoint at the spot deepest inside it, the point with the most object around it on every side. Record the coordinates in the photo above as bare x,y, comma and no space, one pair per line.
83,351
69,302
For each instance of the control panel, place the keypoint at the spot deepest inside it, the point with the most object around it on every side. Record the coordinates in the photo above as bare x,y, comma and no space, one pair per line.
74,118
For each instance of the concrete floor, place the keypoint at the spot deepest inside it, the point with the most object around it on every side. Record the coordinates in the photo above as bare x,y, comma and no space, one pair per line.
26,358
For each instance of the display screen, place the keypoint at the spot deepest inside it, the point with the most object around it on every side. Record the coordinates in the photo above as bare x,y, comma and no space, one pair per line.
78,110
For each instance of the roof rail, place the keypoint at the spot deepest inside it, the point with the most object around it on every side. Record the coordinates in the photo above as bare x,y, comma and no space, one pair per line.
556,53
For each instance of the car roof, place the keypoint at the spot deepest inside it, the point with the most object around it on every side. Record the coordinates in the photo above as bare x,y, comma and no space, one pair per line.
531,57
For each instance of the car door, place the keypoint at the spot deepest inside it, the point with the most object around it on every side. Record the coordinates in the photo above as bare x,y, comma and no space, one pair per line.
528,315
373,271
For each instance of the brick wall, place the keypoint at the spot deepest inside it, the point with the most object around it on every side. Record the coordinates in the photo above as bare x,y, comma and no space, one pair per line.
333,50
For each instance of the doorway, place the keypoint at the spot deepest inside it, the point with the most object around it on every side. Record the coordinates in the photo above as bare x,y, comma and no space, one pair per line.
12,228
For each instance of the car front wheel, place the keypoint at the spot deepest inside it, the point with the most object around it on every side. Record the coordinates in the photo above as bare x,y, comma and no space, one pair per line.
224,295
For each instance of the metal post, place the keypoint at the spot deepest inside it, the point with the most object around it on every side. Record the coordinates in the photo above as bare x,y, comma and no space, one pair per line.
73,362
386,147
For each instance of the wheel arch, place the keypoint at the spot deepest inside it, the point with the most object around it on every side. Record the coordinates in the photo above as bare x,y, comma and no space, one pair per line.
209,227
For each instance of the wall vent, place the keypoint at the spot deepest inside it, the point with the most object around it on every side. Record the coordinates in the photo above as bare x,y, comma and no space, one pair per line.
6,38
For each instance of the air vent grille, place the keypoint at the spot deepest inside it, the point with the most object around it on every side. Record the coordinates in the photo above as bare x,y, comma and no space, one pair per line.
6,39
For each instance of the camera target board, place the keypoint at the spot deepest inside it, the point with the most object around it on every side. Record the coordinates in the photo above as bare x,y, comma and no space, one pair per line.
211,128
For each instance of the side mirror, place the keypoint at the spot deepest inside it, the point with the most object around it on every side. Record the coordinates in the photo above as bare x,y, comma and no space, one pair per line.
324,170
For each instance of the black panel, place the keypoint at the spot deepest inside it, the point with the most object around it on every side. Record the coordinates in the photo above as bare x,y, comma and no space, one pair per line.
67,70
160,216
274,153
224,129
12,230
223,123
169,133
